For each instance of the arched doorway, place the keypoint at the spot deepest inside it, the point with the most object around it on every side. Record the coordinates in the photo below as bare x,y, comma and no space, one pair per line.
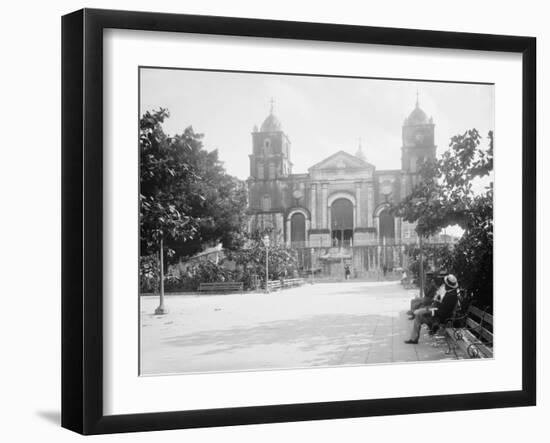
387,227
341,217
297,230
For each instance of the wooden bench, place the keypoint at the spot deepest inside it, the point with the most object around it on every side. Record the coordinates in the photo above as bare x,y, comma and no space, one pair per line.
472,333
226,286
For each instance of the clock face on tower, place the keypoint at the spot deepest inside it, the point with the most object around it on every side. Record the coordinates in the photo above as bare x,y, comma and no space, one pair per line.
419,137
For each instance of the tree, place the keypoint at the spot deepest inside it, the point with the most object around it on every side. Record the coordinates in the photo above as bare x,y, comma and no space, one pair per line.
451,192
187,199
164,210
217,201
164,174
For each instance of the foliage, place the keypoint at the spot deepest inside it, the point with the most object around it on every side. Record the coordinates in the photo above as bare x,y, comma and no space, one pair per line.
446,196
186,197
149,280
187,200
248,264
164,208
203,272
217,201
251,259
436,257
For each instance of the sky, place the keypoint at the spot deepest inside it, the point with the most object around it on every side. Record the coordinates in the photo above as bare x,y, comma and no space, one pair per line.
320,115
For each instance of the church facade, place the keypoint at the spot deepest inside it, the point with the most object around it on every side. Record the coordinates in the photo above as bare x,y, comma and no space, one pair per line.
337,213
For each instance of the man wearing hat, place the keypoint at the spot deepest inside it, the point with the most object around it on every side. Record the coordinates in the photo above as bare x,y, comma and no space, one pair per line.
441,309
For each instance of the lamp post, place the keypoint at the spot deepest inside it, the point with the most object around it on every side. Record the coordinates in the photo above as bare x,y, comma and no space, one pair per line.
312,269
421,265
161,310
266,244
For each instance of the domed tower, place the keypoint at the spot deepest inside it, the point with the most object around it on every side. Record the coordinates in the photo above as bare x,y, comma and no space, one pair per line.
418,142
270,168
270,158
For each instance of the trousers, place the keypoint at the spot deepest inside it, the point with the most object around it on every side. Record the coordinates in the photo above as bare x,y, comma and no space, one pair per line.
421,316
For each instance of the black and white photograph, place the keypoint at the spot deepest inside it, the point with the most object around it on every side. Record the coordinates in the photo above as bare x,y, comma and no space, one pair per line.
286,221
303,221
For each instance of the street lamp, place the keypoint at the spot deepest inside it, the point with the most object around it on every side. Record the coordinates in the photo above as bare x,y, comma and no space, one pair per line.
161,310
266,244
312,269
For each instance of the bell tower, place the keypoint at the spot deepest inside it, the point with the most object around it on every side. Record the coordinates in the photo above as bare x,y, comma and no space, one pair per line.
270,167
418,143
270,158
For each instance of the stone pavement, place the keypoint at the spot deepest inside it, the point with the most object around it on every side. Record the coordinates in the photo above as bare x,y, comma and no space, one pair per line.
326,324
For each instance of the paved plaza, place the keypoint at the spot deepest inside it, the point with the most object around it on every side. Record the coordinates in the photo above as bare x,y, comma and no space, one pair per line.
325,324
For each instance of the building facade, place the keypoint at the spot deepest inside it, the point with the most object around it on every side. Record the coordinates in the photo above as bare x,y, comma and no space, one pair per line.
337,214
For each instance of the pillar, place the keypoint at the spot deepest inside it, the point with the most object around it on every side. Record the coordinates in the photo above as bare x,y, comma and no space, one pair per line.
358,204
314,206
288,233
324,204
370,205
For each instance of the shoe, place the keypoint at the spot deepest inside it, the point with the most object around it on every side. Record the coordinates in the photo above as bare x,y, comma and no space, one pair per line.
411,317
411,342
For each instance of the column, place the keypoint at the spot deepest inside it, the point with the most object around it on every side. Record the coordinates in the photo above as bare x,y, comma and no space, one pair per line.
288,233
358,204
370,204
324,204
314,206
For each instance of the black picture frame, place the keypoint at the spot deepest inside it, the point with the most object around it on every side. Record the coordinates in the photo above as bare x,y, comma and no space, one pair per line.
82,215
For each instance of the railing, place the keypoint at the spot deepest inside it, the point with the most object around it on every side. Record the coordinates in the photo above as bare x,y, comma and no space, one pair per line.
299,244
275,285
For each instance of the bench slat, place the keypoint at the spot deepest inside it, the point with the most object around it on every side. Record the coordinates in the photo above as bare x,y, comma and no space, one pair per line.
479,313
484,333
475,336
221,286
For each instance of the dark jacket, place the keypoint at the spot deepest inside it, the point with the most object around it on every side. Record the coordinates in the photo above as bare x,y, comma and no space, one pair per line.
446,306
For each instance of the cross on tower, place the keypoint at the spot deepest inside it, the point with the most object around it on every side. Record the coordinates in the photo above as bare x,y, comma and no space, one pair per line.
359,152
417,98
272,102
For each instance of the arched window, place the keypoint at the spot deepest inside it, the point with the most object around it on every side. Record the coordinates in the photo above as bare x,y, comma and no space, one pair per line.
260,171
267,146
266,203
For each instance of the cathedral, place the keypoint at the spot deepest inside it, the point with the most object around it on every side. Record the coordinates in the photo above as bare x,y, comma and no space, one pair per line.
336,214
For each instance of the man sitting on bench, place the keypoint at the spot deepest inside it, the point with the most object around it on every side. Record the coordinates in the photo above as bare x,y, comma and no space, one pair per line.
427,300
441,309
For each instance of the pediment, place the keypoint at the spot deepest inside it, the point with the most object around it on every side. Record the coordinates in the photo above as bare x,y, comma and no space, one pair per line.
341,161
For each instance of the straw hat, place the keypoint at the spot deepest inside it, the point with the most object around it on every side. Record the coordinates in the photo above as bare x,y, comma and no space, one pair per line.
451,281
